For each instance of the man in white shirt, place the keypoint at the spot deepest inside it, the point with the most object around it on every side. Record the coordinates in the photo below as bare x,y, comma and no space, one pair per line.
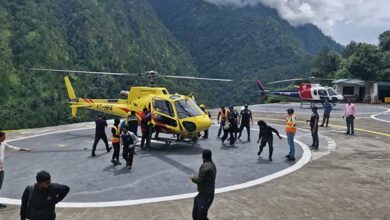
4,146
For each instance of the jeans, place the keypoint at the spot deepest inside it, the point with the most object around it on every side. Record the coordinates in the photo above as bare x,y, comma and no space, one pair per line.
314,136
221,128
290,140
350,127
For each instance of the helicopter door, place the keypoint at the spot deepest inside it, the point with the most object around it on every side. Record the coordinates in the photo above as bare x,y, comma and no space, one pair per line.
163,113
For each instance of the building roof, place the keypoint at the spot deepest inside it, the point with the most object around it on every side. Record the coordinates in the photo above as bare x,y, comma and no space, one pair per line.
349,81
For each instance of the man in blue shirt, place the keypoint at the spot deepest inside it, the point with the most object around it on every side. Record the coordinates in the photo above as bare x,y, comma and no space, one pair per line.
327,110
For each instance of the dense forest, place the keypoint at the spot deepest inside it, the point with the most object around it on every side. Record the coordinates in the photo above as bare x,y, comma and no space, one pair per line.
135,36
356,60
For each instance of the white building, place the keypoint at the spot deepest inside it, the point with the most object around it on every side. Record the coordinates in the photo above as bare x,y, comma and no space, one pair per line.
363,91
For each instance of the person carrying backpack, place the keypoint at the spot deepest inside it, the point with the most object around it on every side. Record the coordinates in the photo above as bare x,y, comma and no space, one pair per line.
39,200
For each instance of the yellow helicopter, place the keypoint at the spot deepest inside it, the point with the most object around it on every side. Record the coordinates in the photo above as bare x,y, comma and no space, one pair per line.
170,113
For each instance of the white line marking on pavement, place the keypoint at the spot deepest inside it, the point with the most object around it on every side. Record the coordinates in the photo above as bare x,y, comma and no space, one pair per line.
306,155
382,113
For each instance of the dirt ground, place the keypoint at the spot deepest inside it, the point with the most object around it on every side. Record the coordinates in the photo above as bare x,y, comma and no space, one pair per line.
352,182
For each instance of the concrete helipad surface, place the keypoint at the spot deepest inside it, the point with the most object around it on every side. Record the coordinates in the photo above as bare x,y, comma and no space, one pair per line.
350,181
160,172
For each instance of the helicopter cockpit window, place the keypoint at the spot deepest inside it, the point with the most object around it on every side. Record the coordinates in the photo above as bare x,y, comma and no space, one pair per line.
187,108
165,92
322,92
332,92
315,92
164,107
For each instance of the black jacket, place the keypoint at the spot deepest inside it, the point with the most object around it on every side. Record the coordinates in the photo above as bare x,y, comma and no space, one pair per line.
266,133
206,177
41,204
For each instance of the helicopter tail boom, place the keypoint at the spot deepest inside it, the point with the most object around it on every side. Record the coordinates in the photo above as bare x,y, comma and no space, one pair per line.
69,88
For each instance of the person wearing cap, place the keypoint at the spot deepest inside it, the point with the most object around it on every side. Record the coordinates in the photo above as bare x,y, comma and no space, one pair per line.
100,133
205,182
206,132
291,129
222,114
3,148
244,120
39,200
314,127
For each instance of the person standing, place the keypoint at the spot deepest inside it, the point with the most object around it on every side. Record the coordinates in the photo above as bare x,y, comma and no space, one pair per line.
145,128
100,133
205,182
327,109
222,114
115,140
314,127
349,114
206,132
233,119
265,135
131,123
6,147
244,119
129,140
291,128
39,200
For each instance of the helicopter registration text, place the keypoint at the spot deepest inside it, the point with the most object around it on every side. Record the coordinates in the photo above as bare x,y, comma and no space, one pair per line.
104,107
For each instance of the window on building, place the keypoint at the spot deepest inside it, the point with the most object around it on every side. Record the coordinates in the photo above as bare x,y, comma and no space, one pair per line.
348,90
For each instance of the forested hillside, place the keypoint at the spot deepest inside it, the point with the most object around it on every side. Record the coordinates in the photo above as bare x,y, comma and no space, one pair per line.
85,35
176,37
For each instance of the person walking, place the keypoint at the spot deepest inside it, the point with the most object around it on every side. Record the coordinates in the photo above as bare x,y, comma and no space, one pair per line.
230,127
291,128
244,120
265,136
6,147
129,140
314,127
222,114
100,133
350,114
206,132
39,200
205,182
115,140
327,109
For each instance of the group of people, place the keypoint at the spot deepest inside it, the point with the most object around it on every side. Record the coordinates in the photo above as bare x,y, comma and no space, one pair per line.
229,121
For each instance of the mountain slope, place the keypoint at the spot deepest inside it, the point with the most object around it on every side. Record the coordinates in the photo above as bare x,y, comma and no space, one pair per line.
80,34
249,42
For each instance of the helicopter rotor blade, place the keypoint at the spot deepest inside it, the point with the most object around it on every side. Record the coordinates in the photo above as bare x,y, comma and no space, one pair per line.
90,72
286,80
195,78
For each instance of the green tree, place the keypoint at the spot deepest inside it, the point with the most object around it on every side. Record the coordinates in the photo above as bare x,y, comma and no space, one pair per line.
326,64
364,62
384,41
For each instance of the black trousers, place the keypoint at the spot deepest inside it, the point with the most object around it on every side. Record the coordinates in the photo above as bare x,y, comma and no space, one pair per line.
325,118
128,155
231,132
1,178
248,130
350,125
97,139
115,154
270,145
202,203
314,136
206,133
145,137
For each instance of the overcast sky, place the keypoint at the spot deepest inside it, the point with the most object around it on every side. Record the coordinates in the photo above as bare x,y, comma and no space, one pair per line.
344,20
